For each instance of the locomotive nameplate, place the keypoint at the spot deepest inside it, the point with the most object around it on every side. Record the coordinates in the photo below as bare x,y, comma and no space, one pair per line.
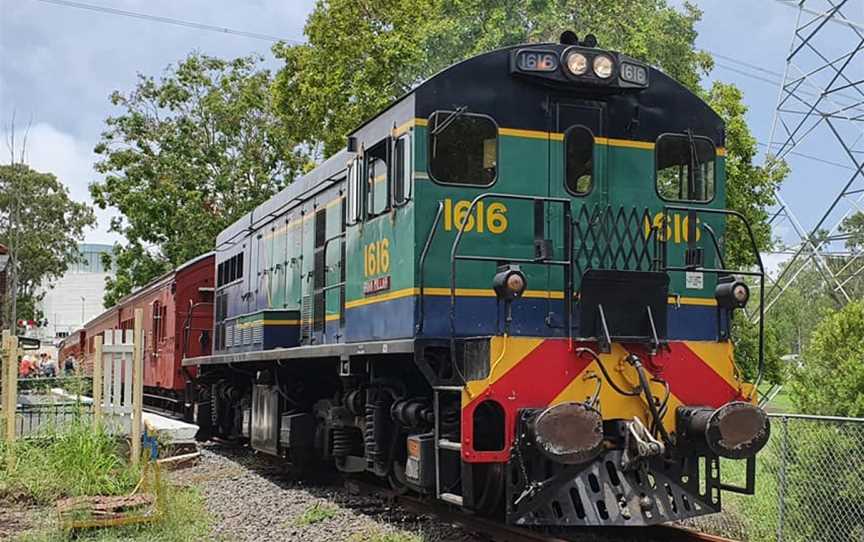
378,284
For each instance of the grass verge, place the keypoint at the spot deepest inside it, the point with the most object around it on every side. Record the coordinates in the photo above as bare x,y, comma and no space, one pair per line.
83,459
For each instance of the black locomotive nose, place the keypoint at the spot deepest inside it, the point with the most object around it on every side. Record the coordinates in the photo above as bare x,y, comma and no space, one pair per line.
736,430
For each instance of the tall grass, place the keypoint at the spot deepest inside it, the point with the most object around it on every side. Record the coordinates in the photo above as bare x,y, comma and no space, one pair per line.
80,459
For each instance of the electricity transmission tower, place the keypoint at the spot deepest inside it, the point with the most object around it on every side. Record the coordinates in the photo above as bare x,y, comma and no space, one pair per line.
821,99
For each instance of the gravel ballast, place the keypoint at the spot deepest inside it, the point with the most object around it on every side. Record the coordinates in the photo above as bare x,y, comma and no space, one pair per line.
252,499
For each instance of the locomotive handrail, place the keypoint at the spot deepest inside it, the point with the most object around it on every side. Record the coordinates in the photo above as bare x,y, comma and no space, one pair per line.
423,254
722,270
567,263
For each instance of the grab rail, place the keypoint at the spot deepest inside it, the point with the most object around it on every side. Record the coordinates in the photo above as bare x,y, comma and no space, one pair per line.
723,271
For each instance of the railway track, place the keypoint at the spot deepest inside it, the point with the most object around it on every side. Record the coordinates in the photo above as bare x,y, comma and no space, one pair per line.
497,532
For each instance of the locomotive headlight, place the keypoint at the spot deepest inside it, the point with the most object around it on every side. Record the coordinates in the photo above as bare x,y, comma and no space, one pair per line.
509,282
732,293
603,66
577,64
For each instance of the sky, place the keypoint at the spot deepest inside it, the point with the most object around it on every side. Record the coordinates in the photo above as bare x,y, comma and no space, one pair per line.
59,64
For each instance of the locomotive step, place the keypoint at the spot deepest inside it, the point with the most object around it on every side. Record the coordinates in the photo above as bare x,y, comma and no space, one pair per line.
455,389
445,444
451,498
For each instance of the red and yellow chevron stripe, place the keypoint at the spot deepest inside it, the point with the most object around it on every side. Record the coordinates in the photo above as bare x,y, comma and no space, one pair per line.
530,372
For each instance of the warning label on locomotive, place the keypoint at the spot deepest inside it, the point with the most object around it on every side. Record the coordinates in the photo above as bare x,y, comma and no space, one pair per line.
694,280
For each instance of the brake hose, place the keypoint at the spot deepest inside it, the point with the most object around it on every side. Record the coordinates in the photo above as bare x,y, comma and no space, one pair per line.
634,360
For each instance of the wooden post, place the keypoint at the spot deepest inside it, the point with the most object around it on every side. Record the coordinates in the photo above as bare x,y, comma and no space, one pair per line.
10,387
137,385
3,371
97,379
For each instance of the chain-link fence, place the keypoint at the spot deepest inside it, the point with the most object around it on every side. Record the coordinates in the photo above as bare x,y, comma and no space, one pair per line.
809,484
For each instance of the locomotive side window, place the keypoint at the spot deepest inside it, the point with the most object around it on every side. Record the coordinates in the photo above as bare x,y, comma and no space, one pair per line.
402,170
230,270
377,180
579,160
463,148
685,168
354,191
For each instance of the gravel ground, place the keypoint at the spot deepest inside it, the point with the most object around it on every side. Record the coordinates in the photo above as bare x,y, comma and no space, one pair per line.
251,499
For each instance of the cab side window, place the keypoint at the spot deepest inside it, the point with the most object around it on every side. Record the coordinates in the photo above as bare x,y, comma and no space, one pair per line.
685,167
579,160
355,192
402,170
377,179
463,148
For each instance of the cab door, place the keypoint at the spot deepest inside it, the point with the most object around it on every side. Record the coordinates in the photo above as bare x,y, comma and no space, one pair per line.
577,167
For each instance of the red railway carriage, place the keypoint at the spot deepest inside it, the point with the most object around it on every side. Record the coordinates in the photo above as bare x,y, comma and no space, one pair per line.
178,317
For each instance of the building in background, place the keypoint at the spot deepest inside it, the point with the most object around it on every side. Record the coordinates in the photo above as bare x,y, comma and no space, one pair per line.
76,297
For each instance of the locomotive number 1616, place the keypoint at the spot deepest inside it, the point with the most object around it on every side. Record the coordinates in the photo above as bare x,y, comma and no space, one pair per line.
491,217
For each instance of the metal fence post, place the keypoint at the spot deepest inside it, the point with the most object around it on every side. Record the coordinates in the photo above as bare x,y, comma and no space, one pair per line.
137,385
97,379
781,494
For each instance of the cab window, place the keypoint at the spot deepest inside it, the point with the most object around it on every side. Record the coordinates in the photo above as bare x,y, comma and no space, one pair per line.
579,160
402,170
354,196
377,179
685,168
463,148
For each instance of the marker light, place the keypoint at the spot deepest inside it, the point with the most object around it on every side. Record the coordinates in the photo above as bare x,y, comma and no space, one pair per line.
509,282
603,66
577,64
732,294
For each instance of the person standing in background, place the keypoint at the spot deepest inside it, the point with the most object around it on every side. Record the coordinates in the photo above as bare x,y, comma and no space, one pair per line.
49,366
25,368
69,366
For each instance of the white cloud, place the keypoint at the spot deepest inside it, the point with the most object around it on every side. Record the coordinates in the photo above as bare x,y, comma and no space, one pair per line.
70,159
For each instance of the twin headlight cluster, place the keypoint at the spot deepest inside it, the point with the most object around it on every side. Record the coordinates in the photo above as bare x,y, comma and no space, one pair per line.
578,63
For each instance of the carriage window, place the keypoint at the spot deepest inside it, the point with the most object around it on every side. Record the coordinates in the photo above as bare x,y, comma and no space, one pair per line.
463,148
354,195
377,184
402,170
685,168
579,159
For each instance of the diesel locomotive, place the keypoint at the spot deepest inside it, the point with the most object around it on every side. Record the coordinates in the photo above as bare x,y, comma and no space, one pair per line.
508,292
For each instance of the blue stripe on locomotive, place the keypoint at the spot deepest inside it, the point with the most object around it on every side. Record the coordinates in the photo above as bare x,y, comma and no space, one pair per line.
476,316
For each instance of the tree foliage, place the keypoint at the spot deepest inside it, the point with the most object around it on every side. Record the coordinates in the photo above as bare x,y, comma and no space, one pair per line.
43,225
830,378
189,153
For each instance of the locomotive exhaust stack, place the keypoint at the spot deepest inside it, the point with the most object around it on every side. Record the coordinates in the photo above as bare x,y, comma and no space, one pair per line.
736,430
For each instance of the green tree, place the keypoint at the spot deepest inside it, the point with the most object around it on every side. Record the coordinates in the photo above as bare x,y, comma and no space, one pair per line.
189,153
43,225
830,378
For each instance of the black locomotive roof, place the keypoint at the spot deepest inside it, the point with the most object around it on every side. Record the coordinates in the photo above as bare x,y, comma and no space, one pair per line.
485,84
